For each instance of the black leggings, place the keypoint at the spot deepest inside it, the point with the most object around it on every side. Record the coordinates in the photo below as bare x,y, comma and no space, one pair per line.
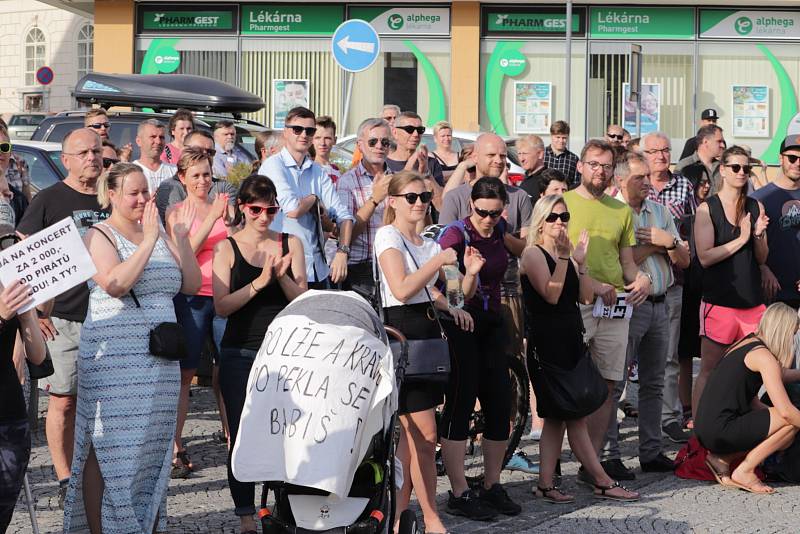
479,369
15,451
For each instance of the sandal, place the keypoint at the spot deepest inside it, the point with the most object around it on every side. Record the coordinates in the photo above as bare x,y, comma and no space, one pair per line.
183,456
179,470
752,487
629,409
720,473
564,499
604,495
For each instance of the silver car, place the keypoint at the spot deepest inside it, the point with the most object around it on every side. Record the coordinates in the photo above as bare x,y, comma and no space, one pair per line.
22,125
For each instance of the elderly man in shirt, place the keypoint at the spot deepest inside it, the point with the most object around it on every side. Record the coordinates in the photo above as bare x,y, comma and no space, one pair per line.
302,186
228,155
362,190
657,244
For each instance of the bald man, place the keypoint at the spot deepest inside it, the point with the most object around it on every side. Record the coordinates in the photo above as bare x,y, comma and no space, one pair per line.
74,197
489,156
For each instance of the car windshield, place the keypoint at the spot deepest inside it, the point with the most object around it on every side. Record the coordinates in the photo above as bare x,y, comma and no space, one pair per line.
25,120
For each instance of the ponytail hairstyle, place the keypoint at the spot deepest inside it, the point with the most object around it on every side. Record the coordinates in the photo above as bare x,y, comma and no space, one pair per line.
399,182
742,197
112,180
191,156
254,188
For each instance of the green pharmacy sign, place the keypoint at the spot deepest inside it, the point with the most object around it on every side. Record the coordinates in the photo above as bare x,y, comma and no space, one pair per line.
642,23
162,20
730,23
531,22
267,19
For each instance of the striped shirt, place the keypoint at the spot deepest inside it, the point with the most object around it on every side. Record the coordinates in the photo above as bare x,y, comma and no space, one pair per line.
354,188
656,265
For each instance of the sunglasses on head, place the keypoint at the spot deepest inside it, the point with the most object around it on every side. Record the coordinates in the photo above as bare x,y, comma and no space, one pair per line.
488,213
735,167
297,130
255,211
791,157
614,136
108,162
564,216
5,147
411,198
411,129
385,143
98,125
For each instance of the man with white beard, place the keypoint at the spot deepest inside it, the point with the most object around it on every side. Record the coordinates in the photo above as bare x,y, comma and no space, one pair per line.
228,154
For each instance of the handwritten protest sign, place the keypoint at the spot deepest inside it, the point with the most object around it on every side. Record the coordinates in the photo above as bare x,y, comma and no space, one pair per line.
50,261
314,400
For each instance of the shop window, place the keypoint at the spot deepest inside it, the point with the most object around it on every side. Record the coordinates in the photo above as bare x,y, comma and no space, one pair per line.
35,51
85,50
400,80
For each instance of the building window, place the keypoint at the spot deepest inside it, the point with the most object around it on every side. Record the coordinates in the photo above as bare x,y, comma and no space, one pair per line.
85,50
35,48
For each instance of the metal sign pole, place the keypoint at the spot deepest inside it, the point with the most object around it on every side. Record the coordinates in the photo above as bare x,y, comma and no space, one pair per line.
568,66
347,97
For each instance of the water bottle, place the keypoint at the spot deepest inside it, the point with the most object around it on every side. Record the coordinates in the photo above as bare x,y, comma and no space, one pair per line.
455,297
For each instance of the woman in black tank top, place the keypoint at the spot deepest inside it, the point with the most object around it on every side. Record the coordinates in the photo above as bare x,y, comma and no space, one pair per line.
257,272
732,423
731,244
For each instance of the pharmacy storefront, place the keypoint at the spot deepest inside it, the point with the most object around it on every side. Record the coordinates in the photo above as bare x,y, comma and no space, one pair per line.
282,53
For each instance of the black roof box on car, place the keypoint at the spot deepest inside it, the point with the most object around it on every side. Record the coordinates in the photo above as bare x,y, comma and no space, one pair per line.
165,91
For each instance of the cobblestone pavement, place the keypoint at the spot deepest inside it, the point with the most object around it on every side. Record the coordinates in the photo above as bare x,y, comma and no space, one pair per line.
202,503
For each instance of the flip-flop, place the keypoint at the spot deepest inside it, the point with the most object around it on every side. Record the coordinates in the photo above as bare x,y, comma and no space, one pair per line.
606,496
751,488
719,475
568,499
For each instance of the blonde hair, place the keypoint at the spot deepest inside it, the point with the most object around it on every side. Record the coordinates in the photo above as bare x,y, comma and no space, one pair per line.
441,125
112,180
94,112
544,206
191,156
777,329
398,182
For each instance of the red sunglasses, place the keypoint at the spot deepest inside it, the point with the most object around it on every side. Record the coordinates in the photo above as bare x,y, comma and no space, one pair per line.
255,211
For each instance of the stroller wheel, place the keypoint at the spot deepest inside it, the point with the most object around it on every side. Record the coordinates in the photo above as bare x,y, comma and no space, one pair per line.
408,523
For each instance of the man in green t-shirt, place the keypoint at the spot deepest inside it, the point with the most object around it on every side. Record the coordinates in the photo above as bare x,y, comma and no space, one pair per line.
613,270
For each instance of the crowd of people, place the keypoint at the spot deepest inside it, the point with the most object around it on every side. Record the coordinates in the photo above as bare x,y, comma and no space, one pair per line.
602,267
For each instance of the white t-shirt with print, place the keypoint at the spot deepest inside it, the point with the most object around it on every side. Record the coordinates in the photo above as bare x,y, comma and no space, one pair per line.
389,237
154,178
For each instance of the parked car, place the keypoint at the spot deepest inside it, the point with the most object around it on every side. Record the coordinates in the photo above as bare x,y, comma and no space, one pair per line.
43,160
22,125
346,146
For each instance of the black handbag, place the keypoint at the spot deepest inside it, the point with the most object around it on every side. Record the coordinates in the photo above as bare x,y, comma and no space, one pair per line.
428,360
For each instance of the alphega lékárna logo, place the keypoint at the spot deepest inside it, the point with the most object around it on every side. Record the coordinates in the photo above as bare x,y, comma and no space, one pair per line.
395,21
743,25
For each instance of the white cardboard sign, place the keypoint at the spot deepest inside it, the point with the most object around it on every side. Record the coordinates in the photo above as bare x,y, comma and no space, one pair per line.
51,261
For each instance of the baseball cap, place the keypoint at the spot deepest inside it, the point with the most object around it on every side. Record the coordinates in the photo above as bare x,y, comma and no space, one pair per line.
791,141
709,114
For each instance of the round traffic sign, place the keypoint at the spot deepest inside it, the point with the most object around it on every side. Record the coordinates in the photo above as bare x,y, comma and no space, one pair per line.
44,75
355,45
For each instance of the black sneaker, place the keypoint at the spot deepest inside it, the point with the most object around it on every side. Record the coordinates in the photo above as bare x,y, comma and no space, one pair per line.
470,506
675,433
617,470
497,498
659,464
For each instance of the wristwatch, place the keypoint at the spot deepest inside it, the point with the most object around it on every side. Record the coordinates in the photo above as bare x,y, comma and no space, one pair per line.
343,248
675,243
374,202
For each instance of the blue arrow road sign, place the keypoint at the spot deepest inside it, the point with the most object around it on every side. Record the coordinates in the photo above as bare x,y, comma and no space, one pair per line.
355,45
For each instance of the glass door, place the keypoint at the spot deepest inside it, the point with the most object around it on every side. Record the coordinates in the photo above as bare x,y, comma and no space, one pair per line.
608,71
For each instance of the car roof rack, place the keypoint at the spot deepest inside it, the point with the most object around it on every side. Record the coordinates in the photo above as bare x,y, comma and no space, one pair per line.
165,91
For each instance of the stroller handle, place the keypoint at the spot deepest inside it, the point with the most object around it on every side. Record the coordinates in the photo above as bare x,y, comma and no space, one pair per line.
395,333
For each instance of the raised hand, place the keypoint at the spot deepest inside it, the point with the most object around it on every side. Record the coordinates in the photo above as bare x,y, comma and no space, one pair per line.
563,246
13,297
579,254
151,224
761,224
184,219
267,270
745,225
218,206
281,266
473,261
380,186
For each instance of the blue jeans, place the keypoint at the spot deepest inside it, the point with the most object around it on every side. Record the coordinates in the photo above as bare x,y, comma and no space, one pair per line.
195,313
234,370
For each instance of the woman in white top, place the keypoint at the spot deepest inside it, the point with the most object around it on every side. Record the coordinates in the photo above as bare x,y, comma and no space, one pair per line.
399,250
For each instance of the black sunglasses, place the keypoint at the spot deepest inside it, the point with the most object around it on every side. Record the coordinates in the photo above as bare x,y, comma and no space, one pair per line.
98,125
615,136
297,130
735,167
488,213
791,157
8,240
411,198
385,143
5,147
108,162
411,129
564,216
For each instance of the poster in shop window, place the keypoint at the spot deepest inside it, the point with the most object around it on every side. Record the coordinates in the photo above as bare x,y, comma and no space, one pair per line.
750,110
532,107
650,116
287,94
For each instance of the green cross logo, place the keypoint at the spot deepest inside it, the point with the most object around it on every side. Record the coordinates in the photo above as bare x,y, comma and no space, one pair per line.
158,16
743,25
395,21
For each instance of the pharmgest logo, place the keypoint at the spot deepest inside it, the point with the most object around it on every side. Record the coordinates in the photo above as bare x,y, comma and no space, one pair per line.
743,25
395,21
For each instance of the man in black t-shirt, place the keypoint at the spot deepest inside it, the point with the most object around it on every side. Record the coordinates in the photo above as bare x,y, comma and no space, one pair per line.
411,154
61,320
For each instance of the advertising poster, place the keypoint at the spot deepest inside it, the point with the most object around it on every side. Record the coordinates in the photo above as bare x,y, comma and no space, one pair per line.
532,107
650,117
750,110
287,94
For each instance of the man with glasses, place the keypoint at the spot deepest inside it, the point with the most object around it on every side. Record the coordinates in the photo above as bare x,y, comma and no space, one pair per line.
302,186
60,321
611,264
676,193
781,199
410,154
150,139
228,153
97,120
614,135
389,113
363,190
558,157
704,163
708,116
172,191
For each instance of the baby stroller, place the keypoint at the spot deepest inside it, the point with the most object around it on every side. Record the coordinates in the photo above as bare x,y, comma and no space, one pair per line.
355,500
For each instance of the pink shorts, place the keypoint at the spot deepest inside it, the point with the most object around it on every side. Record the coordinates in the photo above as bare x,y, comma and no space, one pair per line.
725,325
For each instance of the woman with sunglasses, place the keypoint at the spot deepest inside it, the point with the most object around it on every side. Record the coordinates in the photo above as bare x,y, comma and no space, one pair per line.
554,282
196,312
257,272
731,242
409,265
110,154
480,368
